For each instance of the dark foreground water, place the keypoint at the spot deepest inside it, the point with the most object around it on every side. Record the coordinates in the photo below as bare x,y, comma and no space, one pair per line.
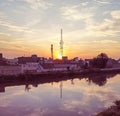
71,97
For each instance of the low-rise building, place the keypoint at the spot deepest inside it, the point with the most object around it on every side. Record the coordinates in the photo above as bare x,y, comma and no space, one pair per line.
119,61
31,68
10,70
47,67
12,61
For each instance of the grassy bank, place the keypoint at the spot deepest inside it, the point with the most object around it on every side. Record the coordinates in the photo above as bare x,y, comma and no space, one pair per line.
111,111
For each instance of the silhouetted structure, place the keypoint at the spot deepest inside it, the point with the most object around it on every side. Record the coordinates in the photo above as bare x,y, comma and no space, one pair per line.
52,51
1,56
23,60
61,44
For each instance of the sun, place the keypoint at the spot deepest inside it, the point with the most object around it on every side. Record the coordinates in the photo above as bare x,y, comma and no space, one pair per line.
59,56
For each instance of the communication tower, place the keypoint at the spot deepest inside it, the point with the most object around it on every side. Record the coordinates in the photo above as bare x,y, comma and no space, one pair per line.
61,45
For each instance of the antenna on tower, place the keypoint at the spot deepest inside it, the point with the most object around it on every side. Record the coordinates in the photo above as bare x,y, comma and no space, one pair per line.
61,44
52,51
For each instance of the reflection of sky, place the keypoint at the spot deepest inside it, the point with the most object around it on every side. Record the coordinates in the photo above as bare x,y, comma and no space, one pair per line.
81,98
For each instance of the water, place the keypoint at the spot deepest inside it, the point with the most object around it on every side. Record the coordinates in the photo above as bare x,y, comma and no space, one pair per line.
85,96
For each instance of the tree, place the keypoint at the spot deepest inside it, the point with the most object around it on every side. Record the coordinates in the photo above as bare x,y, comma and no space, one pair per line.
100,61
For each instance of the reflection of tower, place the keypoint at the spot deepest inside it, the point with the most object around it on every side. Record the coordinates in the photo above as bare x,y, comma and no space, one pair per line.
52,51
61,45
61,85
72,82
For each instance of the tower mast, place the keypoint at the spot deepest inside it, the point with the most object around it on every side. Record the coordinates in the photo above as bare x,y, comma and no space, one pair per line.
61,44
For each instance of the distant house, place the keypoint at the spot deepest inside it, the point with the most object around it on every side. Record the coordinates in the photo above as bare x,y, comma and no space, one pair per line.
12,61
1,56
119,61
75,60
32,59
112,63
2,60
24,60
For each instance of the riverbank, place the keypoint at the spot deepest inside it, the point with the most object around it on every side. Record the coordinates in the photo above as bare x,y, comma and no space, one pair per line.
98,78
111,111
67,73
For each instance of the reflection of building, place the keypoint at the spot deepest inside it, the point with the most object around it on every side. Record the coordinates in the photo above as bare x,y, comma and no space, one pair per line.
33,80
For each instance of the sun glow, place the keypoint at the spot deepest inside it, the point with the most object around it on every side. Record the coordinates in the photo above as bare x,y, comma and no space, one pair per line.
59,56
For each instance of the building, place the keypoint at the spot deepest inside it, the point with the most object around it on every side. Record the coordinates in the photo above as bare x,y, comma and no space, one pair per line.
12,61
112,63
10,70
65,66
2,60
31,68
119,61
23,60
64,58
1,56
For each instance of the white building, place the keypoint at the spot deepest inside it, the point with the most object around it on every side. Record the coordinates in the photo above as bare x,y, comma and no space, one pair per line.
65,67
31,68
46,67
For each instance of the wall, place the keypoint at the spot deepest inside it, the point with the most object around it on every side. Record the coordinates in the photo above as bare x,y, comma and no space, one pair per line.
10,70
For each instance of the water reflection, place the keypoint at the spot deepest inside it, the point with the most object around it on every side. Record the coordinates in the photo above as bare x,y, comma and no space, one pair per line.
55,96
100,80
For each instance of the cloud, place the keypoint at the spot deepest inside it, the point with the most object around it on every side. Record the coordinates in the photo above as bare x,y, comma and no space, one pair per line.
36,4
2,15
103,1
6,34
84,3
14,27
106,41
9,25
110,25
116,14
91,97
107,27
76,12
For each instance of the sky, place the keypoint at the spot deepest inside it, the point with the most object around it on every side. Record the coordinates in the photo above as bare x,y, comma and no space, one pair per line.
90,27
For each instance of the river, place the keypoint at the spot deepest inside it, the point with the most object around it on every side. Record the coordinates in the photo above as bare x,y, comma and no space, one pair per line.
76,96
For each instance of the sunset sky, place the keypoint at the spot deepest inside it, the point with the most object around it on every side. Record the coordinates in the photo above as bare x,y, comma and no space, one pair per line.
31,26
